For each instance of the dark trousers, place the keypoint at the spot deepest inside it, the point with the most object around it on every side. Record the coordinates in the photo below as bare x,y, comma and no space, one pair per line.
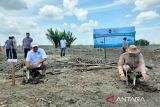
124,50
34,71
11,53
14,53
63,51
8,53
26,51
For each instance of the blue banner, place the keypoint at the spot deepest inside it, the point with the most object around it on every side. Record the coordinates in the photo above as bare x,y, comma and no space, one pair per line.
113,37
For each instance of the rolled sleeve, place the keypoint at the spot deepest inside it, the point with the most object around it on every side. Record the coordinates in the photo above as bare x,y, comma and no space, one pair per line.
120,64
142,64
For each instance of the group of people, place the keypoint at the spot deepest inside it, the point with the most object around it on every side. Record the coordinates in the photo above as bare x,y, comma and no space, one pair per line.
35,57
11,46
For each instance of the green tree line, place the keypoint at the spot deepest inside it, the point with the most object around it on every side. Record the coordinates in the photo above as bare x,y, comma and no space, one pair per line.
142,42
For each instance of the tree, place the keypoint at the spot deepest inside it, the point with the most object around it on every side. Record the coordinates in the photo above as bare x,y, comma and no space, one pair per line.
56,36
53,36
142,42
69,38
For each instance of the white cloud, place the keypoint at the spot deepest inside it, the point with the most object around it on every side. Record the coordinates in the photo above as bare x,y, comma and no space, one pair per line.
17,26
51,11
13,4
9,26
145,16
82,28
70,4
113,4
88,27
81,14
69,9
32,24
141,5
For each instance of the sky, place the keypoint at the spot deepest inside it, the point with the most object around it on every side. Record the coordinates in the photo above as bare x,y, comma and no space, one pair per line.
78,16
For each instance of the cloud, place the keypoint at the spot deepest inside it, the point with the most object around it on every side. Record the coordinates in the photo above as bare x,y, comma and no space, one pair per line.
13,4
82,28
88,27
141,5
70,4
17,26
148,15
9,26
51,11
69,9
113,4
81,14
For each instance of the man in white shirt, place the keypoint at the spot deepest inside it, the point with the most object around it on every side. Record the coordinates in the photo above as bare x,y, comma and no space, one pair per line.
63,44
36,61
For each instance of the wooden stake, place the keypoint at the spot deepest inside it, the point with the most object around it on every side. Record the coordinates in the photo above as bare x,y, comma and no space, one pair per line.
13,74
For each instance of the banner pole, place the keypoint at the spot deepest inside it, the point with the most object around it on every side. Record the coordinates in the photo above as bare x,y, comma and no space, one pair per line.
105,55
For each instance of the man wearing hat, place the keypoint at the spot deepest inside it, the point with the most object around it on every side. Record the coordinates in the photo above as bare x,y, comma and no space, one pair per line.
132,60
36,60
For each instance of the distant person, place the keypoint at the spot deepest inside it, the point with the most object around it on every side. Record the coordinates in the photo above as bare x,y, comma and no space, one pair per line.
14,49
63,44
36,61
132,60
27,44
9,46
124,45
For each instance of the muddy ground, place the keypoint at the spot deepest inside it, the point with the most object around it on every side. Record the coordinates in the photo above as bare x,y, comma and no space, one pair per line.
83,78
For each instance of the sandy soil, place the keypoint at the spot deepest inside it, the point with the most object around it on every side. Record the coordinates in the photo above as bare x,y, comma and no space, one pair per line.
71,83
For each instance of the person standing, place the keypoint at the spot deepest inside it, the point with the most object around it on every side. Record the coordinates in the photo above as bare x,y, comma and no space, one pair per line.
9,46
27,44
124,45
14,48
63,44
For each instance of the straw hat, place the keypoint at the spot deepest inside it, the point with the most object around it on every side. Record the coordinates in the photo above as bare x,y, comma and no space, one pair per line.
133,49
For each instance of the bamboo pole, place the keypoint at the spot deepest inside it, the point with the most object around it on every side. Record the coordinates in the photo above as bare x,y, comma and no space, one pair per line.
13,74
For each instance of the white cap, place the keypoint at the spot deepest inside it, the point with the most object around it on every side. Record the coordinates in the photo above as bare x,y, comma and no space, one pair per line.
34,45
